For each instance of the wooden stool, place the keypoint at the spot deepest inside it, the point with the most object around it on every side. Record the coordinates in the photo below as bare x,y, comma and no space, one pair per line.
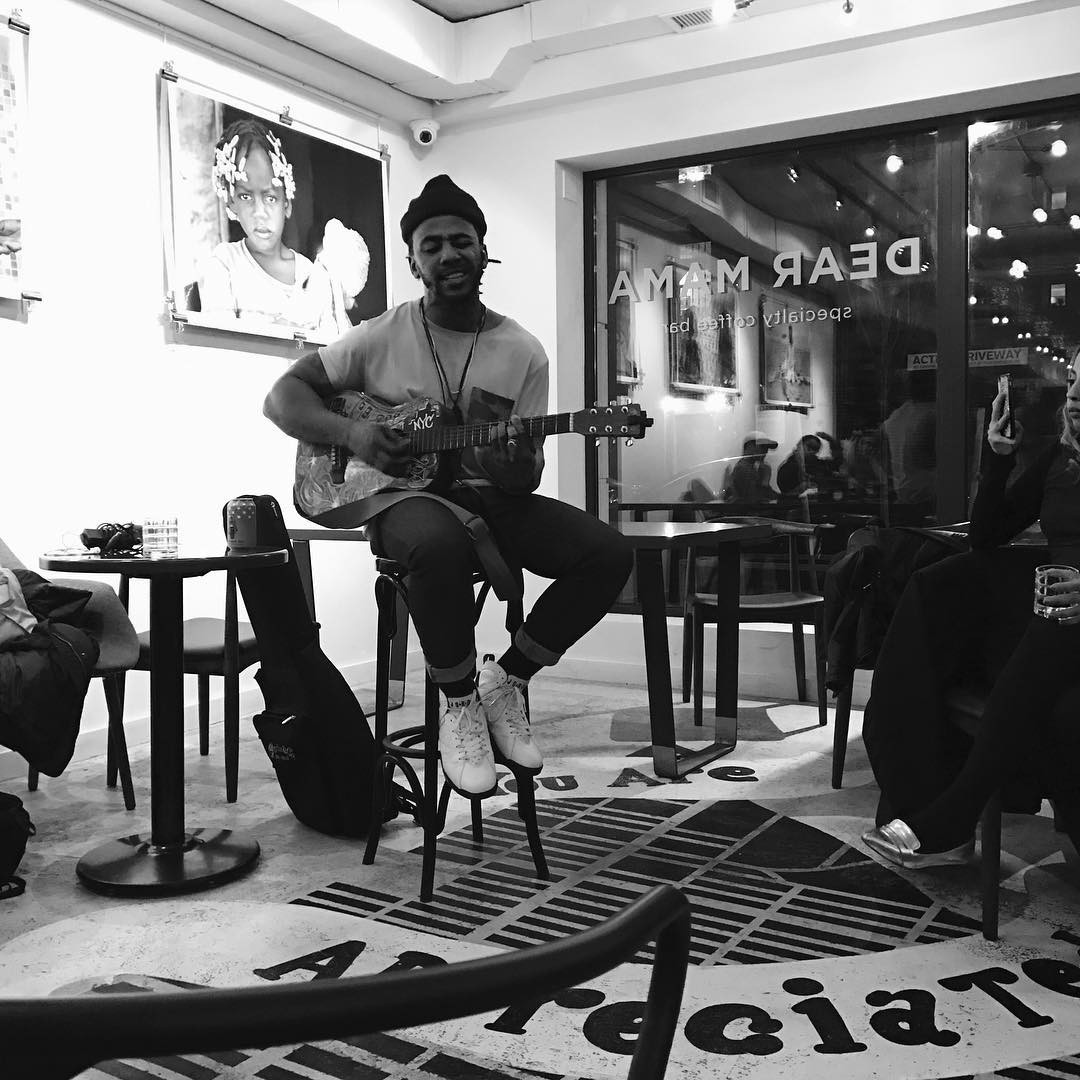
421,742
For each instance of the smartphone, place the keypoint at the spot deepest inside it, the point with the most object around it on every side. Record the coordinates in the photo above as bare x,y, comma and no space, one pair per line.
1005,387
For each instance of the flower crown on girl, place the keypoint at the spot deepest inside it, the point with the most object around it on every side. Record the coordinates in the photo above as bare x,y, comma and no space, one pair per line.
227,170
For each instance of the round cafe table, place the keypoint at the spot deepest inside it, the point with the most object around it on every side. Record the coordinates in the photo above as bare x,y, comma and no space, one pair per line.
172,858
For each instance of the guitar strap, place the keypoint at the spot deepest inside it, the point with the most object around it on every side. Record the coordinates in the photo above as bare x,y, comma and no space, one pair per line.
505,584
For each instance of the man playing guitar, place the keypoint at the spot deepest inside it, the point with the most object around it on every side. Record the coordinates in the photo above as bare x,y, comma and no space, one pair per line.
483,367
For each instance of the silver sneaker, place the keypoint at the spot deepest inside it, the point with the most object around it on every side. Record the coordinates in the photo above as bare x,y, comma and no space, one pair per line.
465,748
507,719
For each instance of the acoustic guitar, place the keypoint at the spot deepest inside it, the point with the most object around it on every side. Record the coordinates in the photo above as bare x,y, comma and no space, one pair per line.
328,477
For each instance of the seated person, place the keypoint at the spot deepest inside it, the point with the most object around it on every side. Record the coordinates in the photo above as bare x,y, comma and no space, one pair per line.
1040,672
483,366
812,467
750,478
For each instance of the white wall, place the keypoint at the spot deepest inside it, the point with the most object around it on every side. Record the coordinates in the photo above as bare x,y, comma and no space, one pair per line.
104,420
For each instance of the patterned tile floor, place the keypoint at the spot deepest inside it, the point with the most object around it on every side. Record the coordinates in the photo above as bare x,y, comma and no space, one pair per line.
768,854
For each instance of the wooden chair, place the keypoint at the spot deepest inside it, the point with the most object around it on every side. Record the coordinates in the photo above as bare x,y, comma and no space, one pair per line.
105,618
798,606
105,1027
218,647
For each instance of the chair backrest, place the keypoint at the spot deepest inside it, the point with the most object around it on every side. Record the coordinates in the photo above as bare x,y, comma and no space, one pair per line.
110,1026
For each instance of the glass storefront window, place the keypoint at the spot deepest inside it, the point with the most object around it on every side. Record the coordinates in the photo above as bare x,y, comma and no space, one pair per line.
1024,294
775,313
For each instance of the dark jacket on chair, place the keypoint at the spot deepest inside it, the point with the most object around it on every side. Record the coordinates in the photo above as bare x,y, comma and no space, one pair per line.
862,590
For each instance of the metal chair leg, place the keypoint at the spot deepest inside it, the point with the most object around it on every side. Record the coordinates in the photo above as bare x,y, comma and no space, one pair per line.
990,834
840,734
799,648
527,813
819,667
114,702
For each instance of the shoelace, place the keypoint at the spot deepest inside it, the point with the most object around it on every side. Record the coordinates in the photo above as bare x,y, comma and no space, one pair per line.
515,716
468,736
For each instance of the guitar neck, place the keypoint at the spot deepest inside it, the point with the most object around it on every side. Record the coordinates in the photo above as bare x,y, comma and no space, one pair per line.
480,434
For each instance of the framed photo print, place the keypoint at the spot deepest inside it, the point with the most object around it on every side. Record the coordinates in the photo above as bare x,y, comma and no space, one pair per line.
627,361
701,338
14,61
786,372
269,228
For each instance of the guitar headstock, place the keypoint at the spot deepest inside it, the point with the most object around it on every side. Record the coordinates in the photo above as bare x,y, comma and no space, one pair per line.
612,421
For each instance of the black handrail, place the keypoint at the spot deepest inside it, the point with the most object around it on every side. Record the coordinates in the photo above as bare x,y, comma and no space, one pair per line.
59,1037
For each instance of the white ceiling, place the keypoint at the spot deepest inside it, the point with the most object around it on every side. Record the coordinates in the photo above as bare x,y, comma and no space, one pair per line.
461,60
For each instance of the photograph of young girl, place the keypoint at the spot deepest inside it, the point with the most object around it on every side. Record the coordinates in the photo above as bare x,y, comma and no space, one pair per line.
274,231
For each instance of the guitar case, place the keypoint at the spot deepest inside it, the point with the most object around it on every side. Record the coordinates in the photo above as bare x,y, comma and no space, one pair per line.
312,727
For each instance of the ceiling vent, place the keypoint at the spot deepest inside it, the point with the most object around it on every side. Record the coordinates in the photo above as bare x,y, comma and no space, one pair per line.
690,20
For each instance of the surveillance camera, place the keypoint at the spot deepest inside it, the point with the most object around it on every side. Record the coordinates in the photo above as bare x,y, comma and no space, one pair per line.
424,131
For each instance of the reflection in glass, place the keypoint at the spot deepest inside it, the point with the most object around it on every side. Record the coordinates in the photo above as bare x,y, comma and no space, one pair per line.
1022,265
783,307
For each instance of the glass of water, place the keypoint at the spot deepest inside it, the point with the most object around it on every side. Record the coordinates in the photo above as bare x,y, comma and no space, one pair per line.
161,538
1044,577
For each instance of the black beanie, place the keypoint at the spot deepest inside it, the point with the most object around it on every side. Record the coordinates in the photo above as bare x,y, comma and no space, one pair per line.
442,196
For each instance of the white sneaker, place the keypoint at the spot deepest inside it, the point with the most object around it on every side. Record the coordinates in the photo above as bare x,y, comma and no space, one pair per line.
503,700
465,747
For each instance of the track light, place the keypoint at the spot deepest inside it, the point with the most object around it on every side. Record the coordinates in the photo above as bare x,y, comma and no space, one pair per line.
793,174
1039,214
894,163
1018,269
870,230
973,300
1059,148
994,233
848,7
973,230
1074,221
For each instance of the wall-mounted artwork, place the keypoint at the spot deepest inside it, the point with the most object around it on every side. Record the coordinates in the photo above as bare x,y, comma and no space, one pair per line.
14,60
701,337
623,311
786,375
269,229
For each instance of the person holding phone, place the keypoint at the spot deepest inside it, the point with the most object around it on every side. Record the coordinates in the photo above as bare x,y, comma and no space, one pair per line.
1040,671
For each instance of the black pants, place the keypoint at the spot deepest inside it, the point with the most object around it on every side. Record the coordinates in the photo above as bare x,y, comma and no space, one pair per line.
967,619
588,561
1022,714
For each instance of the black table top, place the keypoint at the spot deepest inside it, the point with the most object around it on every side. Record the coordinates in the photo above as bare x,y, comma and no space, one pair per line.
186,564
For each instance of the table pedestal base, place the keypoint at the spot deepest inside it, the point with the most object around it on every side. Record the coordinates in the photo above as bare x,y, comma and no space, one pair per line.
135,866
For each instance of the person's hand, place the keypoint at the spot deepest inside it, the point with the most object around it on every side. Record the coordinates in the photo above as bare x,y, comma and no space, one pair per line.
1063,597
10,236
998,442
385,448
513,460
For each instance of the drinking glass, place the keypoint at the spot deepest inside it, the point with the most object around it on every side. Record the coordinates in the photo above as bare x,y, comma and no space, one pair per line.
1045,576
161,538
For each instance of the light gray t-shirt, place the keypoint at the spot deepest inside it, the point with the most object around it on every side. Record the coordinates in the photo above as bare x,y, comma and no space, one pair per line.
388,358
